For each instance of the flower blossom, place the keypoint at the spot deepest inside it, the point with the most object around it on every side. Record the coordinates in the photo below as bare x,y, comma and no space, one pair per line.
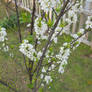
89,22
48,79
40,29
27,49
3,34
47,5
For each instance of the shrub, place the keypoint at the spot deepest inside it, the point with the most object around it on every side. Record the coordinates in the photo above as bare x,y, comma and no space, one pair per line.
12,21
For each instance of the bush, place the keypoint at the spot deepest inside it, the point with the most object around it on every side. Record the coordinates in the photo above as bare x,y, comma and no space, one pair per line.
12,21
9,22
25,17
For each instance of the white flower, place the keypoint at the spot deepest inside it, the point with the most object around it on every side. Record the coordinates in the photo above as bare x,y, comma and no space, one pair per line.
40,29
55,39
42,76
52,66
48,79
89,22
11,55
75,36
81,31
72,15
57,30
65,44
47,5
3,34
43,70
6,48
39,54
28,25
42,84
3,29
27,49
63,57
61,70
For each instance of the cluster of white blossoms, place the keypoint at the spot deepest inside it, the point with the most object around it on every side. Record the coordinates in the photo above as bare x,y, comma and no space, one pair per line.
3,39
89,22
52,67
72,13
5,47
40,29
76,36
54,37
63,57
72,16
58,31
3,34
65,51
81,31
47,5
28,50
49,54
28,25
48,79
43,70
44,75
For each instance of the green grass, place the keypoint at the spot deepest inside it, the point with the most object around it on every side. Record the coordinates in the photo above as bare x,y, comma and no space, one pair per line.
77,76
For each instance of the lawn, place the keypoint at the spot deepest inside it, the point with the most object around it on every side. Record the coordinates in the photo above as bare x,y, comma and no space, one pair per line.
77,76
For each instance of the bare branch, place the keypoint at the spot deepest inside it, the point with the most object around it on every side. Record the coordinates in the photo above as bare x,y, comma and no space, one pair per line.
18,22
33,16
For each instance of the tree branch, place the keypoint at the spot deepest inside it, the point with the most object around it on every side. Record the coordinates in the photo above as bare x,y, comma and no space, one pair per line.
7,85
33,16
18,22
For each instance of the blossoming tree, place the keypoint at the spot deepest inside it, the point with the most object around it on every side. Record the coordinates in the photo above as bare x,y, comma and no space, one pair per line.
41,63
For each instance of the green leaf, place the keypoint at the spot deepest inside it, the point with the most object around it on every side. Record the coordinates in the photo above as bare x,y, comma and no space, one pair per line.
40,89
30,86
50,22
12,46
63,24
78,33
39,24
51,49
30,39
54,59
76,43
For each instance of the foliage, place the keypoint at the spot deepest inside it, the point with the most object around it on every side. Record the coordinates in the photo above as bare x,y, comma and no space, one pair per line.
25,17
11,22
